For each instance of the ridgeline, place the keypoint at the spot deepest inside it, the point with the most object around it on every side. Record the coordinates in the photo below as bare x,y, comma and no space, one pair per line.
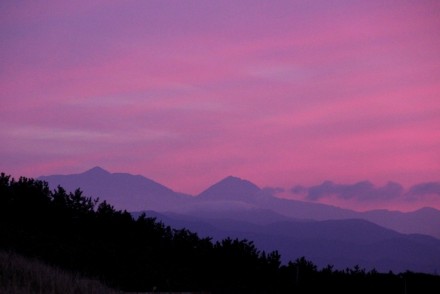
81,234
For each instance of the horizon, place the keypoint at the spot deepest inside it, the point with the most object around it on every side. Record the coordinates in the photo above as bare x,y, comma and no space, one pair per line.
344,195
340,247
282,93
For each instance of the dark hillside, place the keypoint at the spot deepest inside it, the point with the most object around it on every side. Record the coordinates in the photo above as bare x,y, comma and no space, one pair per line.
78,233
19,274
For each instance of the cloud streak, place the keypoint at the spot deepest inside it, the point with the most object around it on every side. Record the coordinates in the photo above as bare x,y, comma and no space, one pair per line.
361,191
365,195
192,92
424,189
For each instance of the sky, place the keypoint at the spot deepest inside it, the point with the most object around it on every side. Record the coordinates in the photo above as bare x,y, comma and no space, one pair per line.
282,93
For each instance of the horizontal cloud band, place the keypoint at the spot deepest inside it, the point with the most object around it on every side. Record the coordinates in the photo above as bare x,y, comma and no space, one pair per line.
366,191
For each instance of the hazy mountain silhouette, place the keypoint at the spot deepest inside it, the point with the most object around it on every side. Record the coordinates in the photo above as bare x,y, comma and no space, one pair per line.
248,196
342,243
423,221
235,190
238,208
231,198
231,189
233,193
142,255
123,190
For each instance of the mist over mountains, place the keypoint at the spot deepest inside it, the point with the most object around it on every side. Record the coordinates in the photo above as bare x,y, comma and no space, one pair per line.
226,197
381,239
366,196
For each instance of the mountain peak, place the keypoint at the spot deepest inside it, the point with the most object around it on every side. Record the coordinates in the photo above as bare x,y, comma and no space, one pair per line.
233,179
97,171
236,182
231,189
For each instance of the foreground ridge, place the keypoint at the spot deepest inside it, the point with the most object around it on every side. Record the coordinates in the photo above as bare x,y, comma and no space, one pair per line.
79,233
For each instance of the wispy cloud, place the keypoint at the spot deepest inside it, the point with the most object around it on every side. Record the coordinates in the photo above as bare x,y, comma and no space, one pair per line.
361,191
269,91
424,189
365,195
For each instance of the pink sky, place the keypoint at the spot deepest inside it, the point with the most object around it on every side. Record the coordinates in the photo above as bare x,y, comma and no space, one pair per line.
187,92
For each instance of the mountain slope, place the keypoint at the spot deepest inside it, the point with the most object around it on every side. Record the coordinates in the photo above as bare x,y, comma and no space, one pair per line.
231,189
241,197
232,198
124,191
233,193
21,274
238,208
342,243
424,221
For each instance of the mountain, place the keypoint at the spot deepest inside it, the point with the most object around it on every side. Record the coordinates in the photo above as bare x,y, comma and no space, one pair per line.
231,189
342,243
233,193
231,198
124,191
424,221
234,207
240,197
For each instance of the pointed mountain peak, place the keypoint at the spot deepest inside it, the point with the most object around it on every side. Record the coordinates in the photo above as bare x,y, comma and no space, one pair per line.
231,180
97,171
231,189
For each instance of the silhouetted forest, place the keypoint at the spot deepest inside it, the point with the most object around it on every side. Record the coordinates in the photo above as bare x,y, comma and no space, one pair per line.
78,233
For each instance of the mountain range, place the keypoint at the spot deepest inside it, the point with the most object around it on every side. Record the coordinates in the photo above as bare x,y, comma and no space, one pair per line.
381,239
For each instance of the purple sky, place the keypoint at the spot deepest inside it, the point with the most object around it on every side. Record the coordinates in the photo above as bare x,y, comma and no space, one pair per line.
188,92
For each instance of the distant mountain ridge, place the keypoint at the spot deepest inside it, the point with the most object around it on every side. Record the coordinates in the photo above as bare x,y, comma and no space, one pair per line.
231,189
342,243
232,197
237,208
123,190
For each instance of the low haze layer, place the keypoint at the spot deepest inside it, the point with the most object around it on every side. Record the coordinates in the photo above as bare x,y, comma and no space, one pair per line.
365,195
281,93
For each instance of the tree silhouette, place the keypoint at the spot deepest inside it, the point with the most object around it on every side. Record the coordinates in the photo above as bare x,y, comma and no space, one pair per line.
82,234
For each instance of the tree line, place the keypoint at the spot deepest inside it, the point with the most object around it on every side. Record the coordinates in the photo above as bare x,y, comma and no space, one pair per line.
79,233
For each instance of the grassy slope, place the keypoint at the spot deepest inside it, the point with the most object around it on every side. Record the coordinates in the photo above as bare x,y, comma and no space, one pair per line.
19,274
